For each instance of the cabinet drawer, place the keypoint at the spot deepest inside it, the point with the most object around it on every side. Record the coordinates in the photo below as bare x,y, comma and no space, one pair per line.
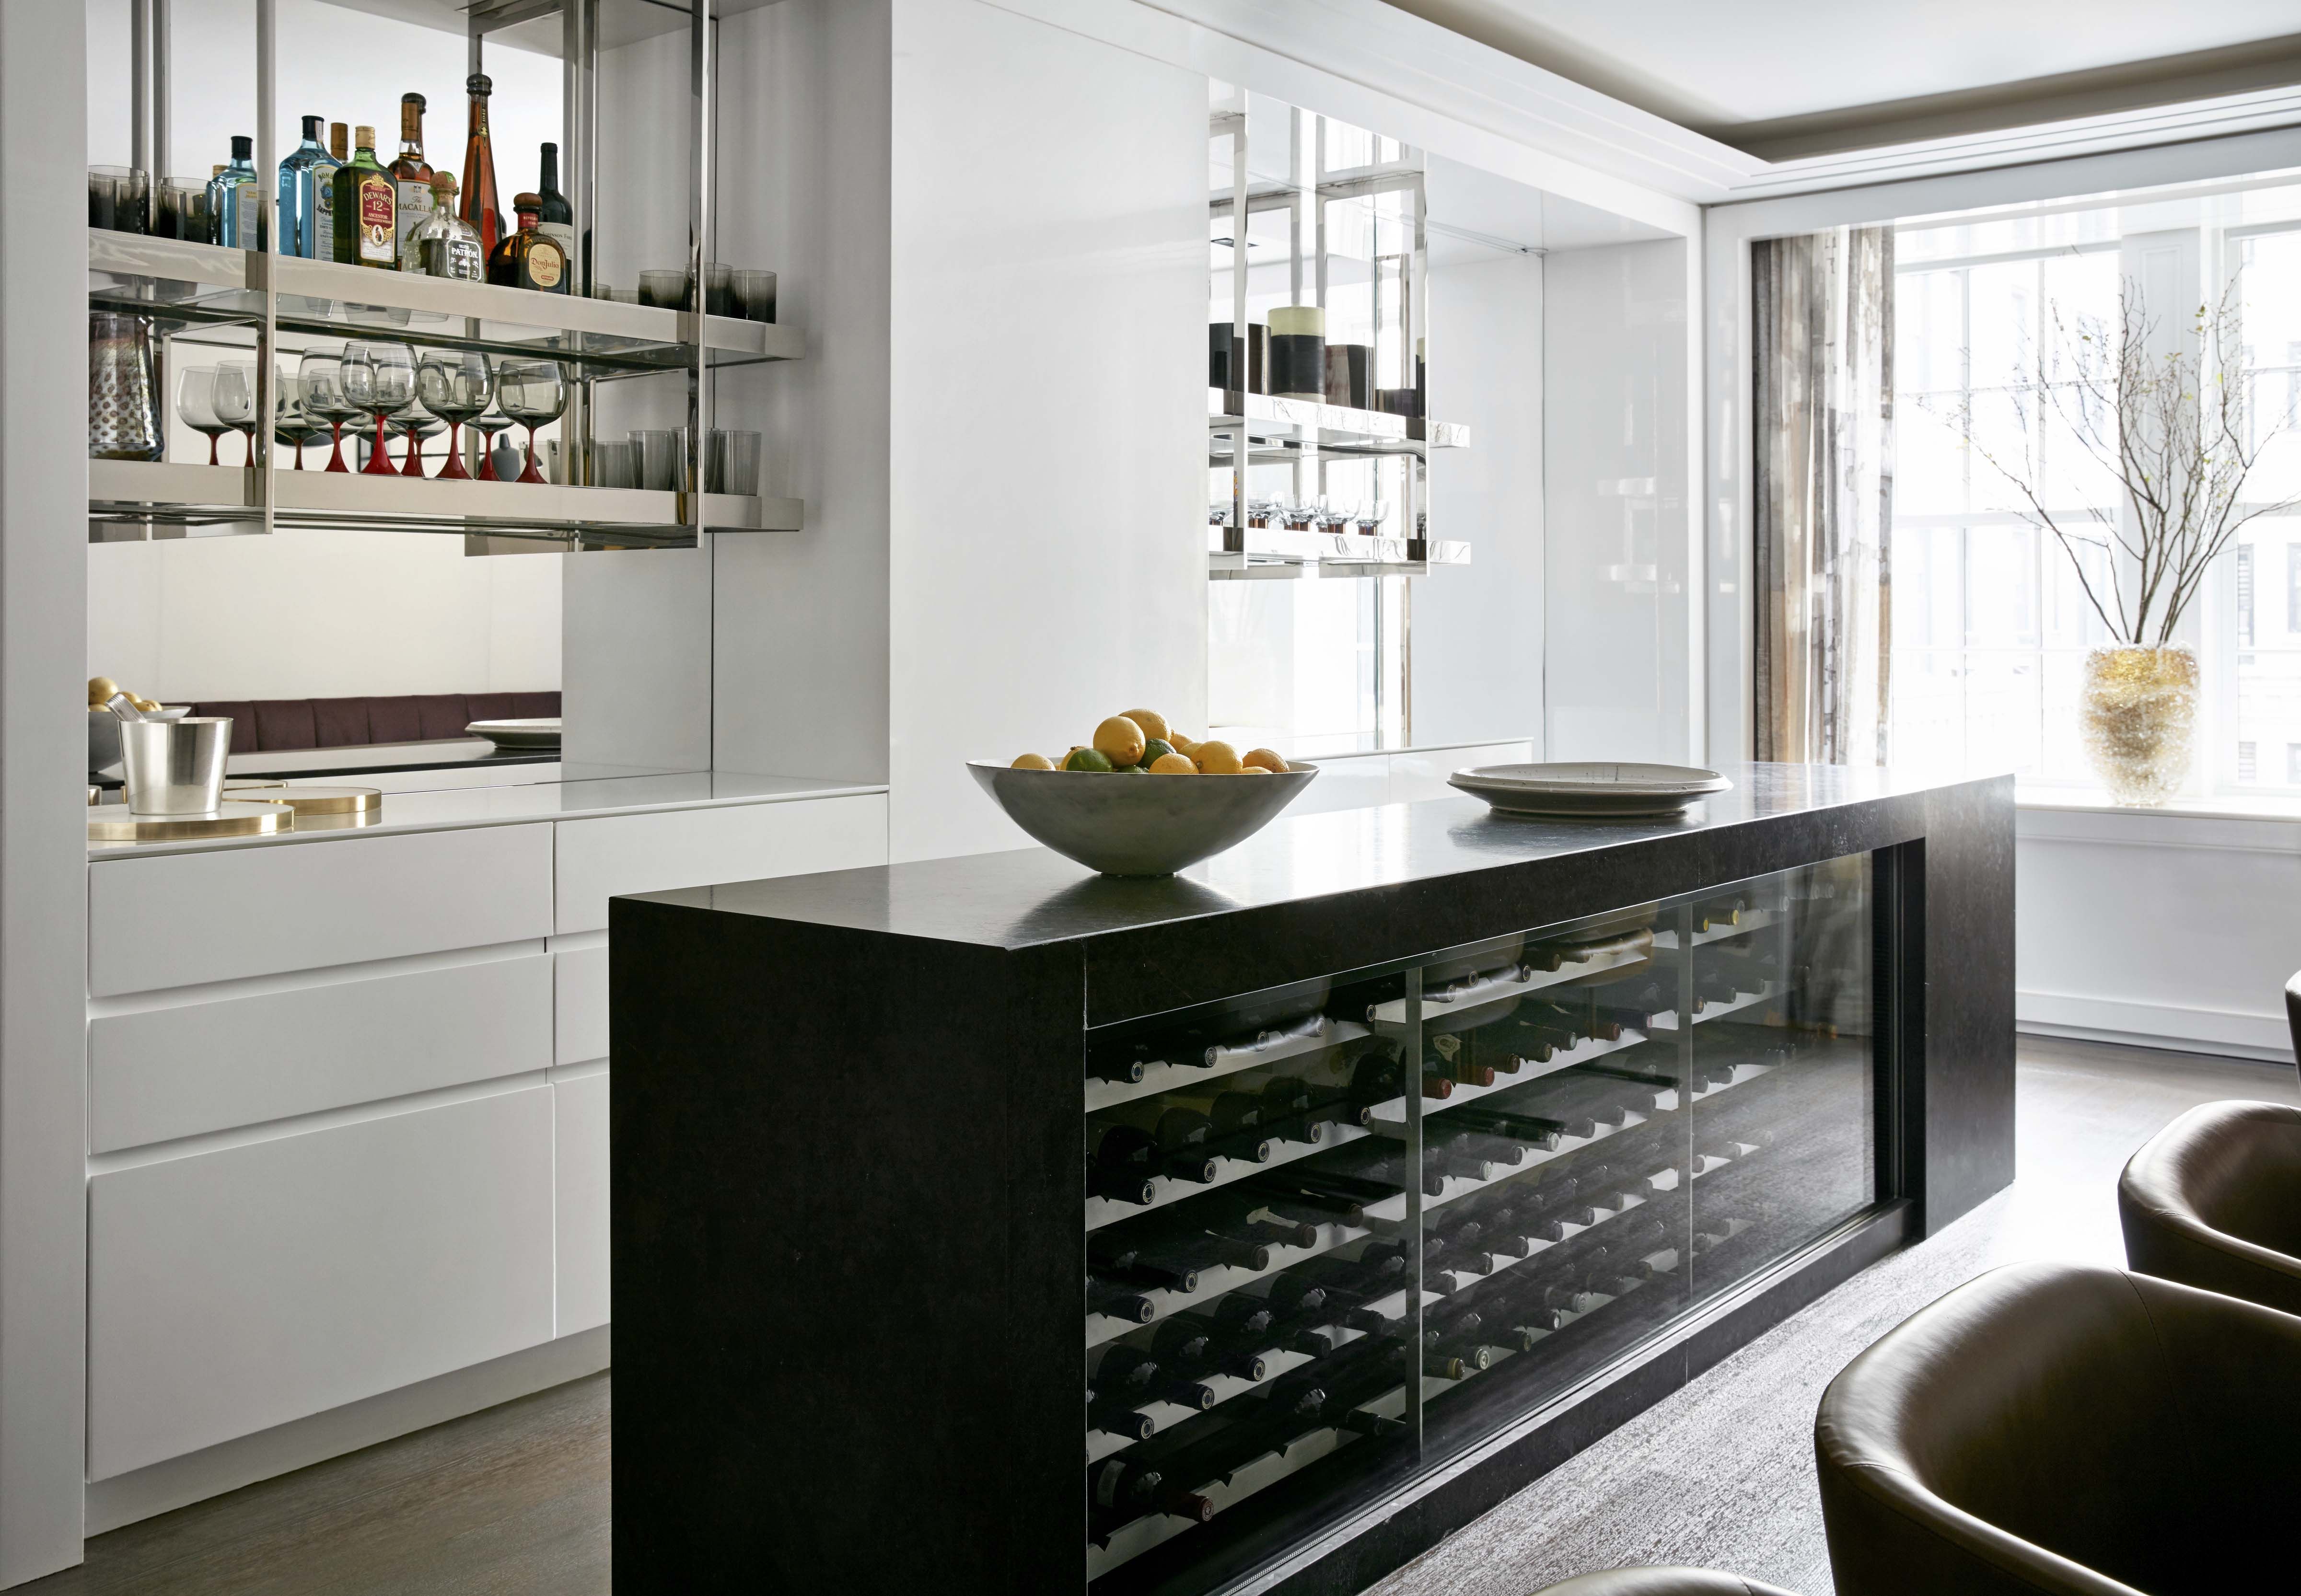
176,919
599,859
579,1030
233,1290
579,1133
241,1060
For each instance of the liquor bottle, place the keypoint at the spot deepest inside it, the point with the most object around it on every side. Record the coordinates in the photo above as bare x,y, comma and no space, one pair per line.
323,191
367,208
236,198
529,258
481,207
443,244
304,175
411,180
555,217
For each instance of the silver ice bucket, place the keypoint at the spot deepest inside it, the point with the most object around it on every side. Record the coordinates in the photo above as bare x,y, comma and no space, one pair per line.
175,767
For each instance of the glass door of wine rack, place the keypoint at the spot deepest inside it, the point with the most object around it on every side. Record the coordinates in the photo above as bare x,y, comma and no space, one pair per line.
1342,1229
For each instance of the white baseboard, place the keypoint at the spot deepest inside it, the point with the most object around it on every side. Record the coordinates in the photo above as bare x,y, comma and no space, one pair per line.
2228,1033
179,1481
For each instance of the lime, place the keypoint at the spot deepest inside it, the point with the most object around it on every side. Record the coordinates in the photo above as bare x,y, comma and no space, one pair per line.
1089,759
1155,750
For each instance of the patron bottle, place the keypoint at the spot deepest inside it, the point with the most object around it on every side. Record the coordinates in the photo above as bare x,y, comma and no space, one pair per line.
529,258
443,244
367,209
411,178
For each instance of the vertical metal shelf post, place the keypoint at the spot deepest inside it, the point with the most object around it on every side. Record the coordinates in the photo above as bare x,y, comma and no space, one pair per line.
1410,1169
267,244
579,138
704,69
1241,344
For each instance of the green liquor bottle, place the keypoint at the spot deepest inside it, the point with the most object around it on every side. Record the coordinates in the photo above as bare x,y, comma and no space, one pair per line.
367,209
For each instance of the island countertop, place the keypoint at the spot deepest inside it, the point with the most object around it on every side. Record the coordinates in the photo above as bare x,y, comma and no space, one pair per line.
1402,863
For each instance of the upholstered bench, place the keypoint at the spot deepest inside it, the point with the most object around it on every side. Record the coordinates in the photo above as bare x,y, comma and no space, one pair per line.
265,724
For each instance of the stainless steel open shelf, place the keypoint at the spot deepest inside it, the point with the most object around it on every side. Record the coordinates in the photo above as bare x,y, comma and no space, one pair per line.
127,500
1271,554
183,285
1287,431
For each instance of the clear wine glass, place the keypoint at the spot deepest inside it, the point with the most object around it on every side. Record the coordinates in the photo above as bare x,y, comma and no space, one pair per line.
195,405
532,393
234,397
455,385
320,373
378,377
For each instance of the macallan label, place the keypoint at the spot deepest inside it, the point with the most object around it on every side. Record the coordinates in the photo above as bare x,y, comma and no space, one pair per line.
379,238
414,202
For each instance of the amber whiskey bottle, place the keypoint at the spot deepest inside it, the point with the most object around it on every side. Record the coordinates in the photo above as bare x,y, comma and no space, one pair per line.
529,258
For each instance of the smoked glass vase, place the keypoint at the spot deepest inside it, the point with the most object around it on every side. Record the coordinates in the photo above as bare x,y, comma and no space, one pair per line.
123,392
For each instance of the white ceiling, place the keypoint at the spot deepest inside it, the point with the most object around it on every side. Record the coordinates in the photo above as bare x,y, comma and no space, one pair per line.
1720,68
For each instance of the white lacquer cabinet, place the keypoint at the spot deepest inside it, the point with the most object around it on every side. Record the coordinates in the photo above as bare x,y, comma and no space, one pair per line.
236,1290
347,1121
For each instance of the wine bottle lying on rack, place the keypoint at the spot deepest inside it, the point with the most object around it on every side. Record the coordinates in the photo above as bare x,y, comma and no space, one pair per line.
1119,1185
1378,1078
1285,1193
1129,1376
1179,1127
1193,1345
1534,1130
1121,1491
1131,1150
1119,1302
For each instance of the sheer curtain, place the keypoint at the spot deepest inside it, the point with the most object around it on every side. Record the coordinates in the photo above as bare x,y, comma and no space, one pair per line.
1823,411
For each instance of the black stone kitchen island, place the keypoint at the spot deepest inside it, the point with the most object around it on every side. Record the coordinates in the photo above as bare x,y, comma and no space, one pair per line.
1384,1161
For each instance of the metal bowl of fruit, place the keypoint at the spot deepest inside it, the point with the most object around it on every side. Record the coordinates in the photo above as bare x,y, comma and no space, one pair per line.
1142,799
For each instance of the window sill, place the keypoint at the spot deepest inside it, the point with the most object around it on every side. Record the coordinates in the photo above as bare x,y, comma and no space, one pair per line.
2076,814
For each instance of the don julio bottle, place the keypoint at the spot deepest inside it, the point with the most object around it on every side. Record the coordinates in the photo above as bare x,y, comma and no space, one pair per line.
529,258
367,209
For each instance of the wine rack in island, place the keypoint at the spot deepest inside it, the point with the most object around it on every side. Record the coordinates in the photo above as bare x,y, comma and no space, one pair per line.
1344,1230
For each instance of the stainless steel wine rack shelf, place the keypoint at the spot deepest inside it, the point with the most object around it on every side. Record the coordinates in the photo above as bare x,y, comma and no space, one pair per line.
184,285
137,498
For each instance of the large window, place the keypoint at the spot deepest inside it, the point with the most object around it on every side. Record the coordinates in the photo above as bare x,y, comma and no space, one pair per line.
1990,625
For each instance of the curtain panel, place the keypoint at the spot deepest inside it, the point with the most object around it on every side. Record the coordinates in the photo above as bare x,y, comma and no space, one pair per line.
1823,416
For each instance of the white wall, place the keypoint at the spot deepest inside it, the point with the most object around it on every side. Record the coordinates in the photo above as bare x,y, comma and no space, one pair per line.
2163,928
1048,403
1478,665
1618,543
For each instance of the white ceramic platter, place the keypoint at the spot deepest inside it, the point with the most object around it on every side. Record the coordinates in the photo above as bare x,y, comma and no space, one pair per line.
1591,789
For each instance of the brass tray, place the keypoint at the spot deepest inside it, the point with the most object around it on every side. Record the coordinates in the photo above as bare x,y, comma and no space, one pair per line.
230,820
364,801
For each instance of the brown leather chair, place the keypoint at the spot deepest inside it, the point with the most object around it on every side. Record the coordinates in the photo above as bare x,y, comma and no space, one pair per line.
2213,1200
2056,1427
1660,1582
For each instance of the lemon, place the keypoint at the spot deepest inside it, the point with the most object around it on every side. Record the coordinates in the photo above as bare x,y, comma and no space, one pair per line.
1121,740
101,691
1032,762
1183,745
1152,722
1218,759
144,705
1253,770
1264,759
1089,759
1173,765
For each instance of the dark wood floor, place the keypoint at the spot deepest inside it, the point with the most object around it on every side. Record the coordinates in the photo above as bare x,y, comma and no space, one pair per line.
514,1502
508,1502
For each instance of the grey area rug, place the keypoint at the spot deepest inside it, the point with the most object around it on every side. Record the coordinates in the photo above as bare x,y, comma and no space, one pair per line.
1720,1474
